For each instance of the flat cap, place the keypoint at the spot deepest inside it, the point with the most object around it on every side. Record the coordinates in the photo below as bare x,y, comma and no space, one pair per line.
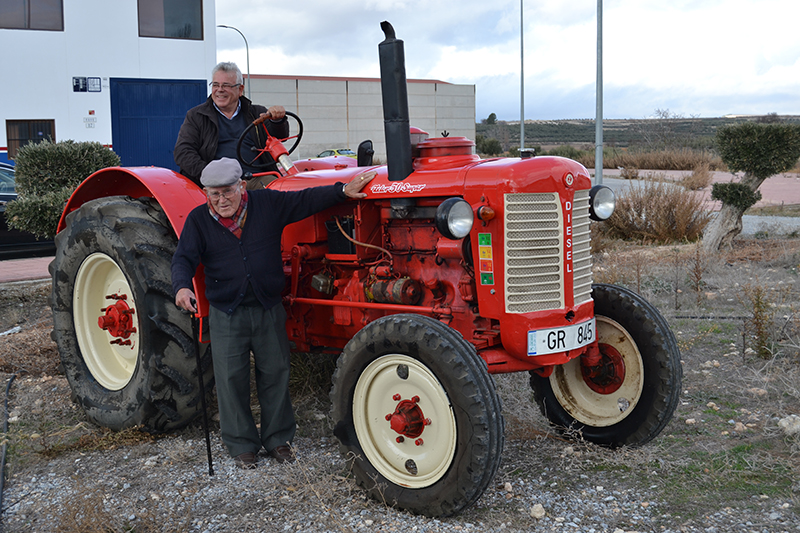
221,173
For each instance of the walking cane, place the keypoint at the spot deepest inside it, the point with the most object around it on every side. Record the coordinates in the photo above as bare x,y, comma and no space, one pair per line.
196,338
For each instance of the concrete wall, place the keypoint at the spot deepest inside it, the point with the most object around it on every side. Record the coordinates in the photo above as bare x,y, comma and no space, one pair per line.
100,39
342,112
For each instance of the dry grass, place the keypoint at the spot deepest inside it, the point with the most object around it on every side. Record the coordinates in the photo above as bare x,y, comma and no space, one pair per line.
700,178
675,159
657,212
88,510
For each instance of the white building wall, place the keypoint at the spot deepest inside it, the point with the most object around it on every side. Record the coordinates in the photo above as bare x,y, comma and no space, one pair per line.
100,39
342,112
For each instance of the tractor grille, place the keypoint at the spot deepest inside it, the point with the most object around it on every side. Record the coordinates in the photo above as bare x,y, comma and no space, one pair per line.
534,251
581,248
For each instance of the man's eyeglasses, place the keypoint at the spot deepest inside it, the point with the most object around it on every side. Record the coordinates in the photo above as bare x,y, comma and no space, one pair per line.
227,194
227,86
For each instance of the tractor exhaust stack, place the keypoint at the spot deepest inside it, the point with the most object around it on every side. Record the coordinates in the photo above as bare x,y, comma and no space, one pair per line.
395,105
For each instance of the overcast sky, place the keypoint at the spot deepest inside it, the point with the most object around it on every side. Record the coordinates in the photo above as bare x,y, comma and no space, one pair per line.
704,58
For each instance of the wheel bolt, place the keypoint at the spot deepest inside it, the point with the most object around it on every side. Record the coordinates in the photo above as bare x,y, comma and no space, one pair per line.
400,439
396,397
388,417
415,399
428,422
418,442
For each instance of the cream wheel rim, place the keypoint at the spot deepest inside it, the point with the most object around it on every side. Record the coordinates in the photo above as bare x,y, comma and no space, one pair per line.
592,408
418,461
112,365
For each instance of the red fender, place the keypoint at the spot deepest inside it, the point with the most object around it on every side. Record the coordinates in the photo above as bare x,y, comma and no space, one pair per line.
176,194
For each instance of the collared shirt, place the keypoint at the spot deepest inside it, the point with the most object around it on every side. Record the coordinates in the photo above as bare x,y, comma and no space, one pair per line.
238,107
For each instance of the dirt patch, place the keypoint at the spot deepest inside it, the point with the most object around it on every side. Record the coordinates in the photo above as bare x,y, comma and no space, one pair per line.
728,459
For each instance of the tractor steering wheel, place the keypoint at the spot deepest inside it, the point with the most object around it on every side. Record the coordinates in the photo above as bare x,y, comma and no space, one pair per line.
254,155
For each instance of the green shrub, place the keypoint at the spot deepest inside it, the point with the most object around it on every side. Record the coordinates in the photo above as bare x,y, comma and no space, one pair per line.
735,194
46,175
489,146
761,150
567,151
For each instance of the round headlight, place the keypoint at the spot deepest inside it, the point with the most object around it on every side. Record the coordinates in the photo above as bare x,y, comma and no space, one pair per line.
601,202
454,218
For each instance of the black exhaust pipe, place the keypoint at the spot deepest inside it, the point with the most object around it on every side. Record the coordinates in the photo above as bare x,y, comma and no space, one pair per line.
395,105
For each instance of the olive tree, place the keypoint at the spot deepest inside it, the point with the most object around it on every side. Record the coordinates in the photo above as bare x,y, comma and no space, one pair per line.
46,174
759,151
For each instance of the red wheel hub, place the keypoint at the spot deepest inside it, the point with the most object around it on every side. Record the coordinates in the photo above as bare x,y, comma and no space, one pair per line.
603,368
118,318
408,419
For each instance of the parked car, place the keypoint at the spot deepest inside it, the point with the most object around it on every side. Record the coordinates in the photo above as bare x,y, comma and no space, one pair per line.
347,152
13,242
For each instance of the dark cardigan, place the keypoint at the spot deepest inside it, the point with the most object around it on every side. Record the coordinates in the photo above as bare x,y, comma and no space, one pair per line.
231,263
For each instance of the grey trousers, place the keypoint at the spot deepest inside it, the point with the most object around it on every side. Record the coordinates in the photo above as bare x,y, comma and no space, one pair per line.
233,337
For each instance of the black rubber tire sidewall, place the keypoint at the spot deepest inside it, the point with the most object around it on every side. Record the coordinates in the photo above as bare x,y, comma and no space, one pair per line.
163,393
662,373
476,406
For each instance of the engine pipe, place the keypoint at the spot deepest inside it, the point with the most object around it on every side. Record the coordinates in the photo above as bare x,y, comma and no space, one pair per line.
395,105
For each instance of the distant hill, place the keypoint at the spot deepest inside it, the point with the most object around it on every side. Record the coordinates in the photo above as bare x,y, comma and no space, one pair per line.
673,132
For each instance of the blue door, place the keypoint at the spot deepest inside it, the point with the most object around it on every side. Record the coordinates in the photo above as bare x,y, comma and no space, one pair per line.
146,116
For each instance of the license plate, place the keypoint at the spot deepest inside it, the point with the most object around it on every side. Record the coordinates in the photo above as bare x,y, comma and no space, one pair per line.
545,341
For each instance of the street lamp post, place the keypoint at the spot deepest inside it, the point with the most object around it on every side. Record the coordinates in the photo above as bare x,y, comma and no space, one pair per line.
247,50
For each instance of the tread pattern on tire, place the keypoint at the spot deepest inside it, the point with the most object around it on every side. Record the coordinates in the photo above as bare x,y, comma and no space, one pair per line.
663,373
164,391
470,388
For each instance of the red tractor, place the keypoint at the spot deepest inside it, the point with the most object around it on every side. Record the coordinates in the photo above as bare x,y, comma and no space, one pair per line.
453,269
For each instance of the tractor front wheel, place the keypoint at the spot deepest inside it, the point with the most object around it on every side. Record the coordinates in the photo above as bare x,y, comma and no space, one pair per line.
126,349
417,415
628,395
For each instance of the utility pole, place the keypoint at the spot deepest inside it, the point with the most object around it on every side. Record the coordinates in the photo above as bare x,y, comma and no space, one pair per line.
247,50
521,80
598,134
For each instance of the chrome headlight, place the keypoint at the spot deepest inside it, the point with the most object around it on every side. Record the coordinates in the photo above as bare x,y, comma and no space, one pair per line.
602,201
454,218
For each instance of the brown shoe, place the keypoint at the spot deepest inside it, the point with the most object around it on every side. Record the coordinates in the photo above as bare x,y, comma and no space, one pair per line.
283,454
245,461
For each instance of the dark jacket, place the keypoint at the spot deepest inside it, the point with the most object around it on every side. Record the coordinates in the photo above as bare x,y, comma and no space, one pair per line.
231,263
197,139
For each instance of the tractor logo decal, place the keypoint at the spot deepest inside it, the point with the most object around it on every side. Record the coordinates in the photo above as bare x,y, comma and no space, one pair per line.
398,187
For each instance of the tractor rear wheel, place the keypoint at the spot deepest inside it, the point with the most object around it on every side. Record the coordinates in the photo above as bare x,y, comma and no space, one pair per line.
126,349
631,396
417,415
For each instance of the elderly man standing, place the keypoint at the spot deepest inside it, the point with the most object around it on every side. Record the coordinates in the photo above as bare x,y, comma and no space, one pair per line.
211,130
237,237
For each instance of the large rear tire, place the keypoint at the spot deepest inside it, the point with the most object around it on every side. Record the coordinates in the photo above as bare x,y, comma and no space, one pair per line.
636,340
417,415
112,268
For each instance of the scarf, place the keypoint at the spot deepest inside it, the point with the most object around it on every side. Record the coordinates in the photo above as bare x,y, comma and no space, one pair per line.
235,223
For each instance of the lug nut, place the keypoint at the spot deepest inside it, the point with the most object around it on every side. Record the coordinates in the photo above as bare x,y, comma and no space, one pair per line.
396,397
400,439
418,442
415,399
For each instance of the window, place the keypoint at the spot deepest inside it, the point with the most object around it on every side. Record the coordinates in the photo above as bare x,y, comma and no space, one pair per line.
21,132
32,14
176,19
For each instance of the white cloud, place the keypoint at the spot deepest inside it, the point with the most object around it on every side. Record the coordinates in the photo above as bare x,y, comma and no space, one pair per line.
695,57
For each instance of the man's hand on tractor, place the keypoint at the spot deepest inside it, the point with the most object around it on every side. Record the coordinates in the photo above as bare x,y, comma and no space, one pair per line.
185,299
276,112
353,189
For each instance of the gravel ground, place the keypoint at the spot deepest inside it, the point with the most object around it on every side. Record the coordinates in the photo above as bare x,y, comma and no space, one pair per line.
163,484
724,463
